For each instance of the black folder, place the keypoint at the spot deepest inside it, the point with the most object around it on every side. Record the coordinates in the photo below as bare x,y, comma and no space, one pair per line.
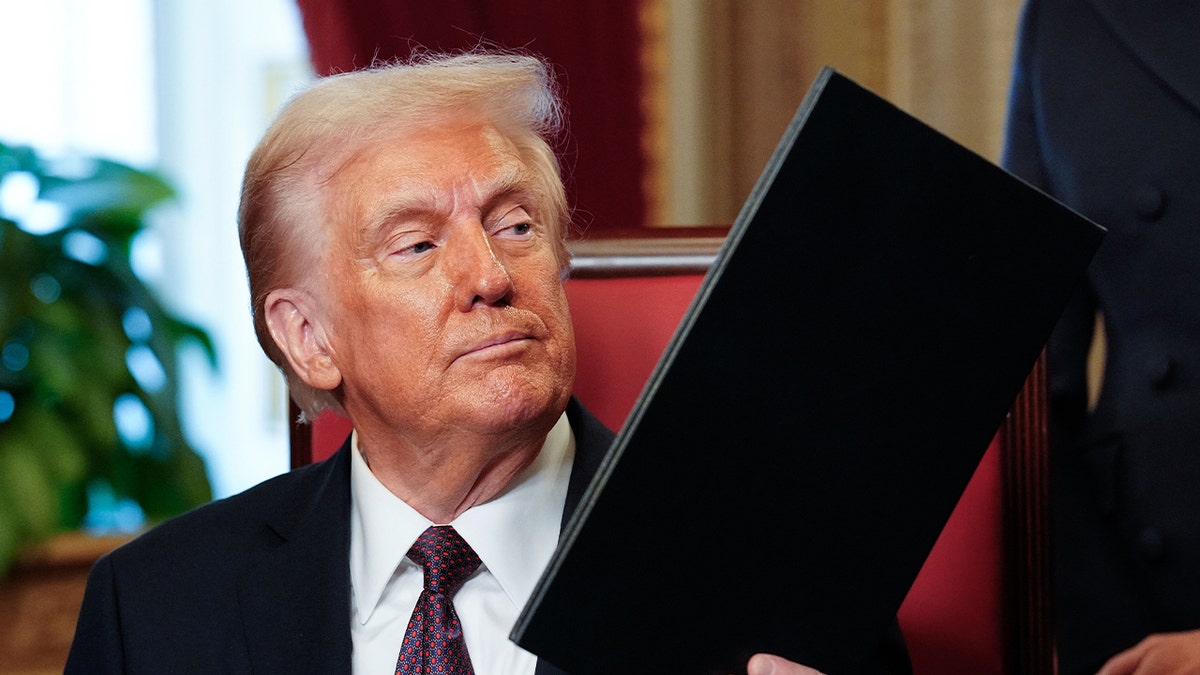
865,328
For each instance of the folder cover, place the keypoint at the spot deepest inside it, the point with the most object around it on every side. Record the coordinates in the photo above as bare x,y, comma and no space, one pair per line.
867,324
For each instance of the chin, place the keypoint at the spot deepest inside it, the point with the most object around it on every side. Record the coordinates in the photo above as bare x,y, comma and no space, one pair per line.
536,407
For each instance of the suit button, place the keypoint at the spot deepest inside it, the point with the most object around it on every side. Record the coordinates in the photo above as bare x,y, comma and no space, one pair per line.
1150,202
1160,369
1150,544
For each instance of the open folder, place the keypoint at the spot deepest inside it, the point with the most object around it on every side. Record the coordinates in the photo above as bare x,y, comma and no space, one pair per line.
865,328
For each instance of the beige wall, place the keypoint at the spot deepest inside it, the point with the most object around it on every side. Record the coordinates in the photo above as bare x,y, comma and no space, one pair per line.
726,76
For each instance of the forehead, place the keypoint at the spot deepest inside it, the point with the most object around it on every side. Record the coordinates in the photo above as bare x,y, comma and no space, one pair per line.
426,168
434,156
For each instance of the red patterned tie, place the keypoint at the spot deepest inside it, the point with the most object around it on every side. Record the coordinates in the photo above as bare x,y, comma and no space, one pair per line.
433,643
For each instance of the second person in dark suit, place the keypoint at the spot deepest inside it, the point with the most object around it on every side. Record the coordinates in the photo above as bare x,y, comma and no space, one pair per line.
1105,116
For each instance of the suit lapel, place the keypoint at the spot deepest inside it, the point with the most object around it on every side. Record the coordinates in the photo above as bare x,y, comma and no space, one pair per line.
544,667
592,441
296,605
1163,35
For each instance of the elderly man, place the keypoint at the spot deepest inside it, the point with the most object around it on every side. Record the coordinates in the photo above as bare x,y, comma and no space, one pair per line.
403,234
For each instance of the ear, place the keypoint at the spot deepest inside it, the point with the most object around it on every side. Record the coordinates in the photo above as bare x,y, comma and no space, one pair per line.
295,325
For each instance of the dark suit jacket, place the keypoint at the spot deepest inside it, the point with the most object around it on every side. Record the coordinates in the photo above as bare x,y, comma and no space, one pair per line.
1105,116
260,582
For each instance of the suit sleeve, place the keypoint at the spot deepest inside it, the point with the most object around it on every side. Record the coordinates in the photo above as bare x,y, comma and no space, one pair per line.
97,645
1021,154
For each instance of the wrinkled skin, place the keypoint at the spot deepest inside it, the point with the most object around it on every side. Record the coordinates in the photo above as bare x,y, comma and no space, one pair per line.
438,314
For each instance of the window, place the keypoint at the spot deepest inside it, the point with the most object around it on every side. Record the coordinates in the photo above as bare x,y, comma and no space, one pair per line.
185,88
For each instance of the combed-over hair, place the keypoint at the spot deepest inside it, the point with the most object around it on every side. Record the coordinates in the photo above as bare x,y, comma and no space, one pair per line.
282,216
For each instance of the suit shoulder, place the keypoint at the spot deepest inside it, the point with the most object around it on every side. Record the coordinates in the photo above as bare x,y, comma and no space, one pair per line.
257,518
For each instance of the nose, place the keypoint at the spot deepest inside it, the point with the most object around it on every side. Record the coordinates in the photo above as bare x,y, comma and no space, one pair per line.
481,277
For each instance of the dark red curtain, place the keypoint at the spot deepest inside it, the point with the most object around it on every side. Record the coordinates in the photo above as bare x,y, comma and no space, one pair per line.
594,46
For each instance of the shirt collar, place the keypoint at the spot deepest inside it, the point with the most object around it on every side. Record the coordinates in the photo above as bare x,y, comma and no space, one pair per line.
514,534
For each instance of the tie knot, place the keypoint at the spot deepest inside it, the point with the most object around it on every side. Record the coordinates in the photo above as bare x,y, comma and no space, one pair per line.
447,559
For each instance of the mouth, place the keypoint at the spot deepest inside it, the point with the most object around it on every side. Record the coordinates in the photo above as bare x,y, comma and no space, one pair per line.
497,346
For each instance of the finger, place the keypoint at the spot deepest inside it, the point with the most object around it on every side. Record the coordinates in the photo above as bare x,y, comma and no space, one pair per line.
1124,663
766,664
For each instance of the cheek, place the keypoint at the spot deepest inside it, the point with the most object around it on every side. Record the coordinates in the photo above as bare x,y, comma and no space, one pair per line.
382,328
558,319
564,328
568,358
392,361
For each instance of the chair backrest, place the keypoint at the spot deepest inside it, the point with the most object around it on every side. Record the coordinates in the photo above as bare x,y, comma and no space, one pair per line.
979,604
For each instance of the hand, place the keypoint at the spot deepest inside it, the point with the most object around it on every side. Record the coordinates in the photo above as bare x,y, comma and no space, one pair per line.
1159,654
765,664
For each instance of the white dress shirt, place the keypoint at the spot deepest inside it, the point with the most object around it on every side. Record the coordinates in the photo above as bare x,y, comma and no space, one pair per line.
514,535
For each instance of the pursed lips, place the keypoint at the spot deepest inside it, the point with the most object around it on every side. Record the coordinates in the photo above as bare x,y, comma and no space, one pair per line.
494,344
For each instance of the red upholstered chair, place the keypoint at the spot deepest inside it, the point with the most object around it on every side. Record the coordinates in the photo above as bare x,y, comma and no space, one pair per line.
978,606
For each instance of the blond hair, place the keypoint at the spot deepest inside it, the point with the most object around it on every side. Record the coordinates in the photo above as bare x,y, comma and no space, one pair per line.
281,217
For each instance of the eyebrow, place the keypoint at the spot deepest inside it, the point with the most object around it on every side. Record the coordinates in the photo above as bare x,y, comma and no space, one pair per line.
421,199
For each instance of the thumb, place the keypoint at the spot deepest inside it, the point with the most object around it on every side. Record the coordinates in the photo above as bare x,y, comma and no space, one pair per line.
766,664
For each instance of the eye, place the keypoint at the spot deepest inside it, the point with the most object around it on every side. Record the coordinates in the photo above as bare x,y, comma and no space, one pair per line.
518,231
419,247
515,223
411,247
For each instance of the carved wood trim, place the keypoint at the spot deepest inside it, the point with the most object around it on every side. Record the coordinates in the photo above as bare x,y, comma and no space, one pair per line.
1027,543
605,258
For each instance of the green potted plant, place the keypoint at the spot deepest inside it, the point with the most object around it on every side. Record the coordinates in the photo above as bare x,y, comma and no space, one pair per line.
88,372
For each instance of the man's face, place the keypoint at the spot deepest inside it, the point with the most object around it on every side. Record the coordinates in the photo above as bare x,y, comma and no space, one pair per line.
444,296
